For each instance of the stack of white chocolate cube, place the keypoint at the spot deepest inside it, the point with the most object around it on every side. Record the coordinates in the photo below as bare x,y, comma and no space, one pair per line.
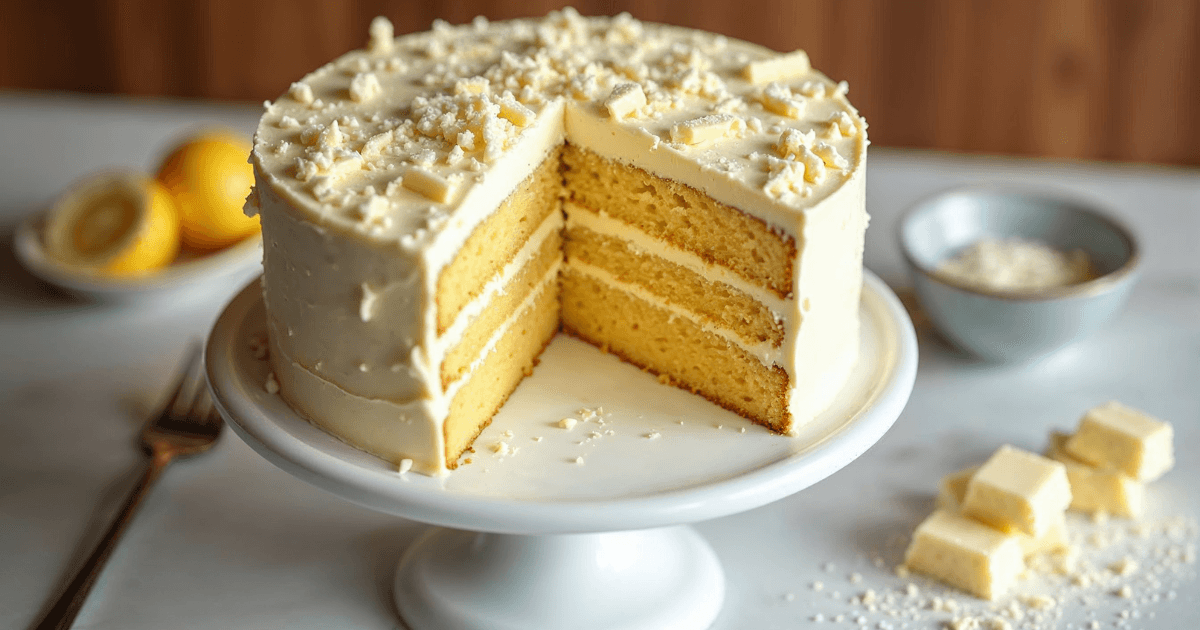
991,517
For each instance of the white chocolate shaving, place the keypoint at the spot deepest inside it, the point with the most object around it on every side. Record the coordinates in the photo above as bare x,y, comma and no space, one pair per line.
376,143
381,35
301,92
779,99
364,87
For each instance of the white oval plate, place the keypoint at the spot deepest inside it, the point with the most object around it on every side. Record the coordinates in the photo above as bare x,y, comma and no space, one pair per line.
235,262
705,463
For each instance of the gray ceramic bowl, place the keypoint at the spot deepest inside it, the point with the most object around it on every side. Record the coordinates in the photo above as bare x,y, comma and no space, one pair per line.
1016,326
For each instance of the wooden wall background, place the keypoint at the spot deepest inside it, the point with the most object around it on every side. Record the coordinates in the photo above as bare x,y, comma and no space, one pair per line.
1092,79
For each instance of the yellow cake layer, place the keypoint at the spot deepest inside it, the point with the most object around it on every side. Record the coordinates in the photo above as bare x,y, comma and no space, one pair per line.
682,216
500,308
510,360
498,239
675,348
715,303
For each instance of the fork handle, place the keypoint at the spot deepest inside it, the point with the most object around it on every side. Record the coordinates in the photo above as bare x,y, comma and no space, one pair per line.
62,614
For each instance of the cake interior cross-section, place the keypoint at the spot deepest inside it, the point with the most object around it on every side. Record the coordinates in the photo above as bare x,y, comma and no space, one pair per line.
436,207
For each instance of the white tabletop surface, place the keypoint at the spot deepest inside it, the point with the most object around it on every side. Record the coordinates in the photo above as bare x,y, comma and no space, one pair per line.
229,541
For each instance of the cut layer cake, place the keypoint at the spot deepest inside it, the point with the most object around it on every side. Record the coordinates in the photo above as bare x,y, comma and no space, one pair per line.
436,207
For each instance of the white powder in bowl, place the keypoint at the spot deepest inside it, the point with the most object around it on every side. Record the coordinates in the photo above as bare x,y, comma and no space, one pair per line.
1014,264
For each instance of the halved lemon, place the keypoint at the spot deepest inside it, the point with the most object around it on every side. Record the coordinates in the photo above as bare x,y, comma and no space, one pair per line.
209,177
115,224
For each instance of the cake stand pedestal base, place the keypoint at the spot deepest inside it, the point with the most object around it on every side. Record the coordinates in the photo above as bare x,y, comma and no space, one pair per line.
656,579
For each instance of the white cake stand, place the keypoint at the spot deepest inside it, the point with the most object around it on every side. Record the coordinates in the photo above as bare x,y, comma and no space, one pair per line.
582,528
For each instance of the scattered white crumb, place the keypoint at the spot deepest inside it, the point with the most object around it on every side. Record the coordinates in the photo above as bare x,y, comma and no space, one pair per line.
537,438
1124,592
1124,566
405,465
789,597
567,423
855,578
501,448
272,385
578,460
653,435
818,586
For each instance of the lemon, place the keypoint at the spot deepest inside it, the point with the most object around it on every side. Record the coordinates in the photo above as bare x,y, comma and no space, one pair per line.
209,177
115,224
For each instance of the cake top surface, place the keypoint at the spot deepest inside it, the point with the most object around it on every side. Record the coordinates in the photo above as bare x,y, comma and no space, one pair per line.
391,141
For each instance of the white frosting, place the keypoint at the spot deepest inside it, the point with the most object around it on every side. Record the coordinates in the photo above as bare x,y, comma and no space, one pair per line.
374,170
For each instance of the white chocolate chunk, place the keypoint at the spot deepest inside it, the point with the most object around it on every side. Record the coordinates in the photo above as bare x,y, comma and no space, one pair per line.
792,143
784,177
432,185
841,125
310,134
471,85
364,87
301,93
965,554
1018,490
1097,489
953,489
515,113
830,156
779,68
625,99
381,35
779,99
331,138
373,208
814,166
338,162
812,89
1053,539
712,127
1125,439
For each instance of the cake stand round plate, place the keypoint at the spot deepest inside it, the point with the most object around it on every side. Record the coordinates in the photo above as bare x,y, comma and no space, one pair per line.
579,527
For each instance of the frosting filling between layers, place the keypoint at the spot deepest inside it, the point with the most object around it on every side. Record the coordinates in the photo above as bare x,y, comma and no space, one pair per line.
600,223
766,353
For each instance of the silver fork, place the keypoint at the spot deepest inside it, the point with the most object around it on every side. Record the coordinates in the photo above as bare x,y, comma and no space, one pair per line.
187,425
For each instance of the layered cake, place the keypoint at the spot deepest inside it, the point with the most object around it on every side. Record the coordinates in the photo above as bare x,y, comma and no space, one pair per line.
437,206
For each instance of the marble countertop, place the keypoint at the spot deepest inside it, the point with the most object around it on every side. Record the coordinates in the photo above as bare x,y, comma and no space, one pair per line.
227,540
